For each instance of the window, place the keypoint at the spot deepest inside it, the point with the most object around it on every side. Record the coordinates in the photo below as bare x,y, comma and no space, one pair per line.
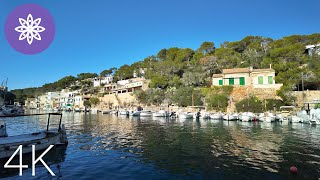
260,80
231,81
270,80
242,81
220,82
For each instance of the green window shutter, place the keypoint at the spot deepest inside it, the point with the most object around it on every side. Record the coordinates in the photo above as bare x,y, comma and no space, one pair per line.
220,82
231,81
270,79
260,80
242,81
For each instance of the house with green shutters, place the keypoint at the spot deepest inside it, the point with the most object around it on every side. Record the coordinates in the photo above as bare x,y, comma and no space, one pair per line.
257,78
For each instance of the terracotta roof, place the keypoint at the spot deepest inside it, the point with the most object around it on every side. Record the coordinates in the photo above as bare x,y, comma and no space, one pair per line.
263,70
236,70
217,75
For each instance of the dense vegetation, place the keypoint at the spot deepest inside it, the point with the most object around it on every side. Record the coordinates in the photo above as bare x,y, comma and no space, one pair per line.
177,72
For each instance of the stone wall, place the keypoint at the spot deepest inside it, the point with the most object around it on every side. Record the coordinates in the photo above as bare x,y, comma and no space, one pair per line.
243,92
308,96
117,100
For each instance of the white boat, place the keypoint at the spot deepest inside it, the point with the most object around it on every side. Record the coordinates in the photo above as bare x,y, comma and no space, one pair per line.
160,113
77,110
185,115
270,118
204,115
106,112
42,140
145,114
261,117
295,119
135,113
230,117
314,116
247,116
303,115
216,116
123,112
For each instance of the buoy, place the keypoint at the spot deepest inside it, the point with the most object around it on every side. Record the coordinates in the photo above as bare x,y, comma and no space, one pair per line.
293,170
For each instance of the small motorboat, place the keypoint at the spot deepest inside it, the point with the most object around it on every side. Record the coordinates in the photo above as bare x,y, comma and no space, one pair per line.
247,116
135,113
231,117
123,112
106,112
145,114
42,140
216,116
185,115
161,113
295,119
77,110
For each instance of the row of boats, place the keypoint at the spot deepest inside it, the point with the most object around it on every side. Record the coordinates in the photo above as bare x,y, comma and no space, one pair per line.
311,117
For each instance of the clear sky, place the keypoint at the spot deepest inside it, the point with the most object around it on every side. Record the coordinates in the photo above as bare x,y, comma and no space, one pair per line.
93,35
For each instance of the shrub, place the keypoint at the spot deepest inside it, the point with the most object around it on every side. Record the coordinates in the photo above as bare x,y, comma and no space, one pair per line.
183,97
274,103
251,104
217,102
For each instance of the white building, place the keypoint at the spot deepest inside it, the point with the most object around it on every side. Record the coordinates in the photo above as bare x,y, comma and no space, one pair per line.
52,100
313,49
102,81
78,101
66,99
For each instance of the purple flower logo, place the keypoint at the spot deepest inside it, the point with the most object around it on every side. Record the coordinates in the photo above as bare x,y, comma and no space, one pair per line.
30,29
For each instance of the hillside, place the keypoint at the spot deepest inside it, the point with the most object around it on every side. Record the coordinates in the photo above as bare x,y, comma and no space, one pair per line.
184,67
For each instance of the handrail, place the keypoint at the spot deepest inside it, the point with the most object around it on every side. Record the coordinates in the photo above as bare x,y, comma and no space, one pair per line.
19,115
48,123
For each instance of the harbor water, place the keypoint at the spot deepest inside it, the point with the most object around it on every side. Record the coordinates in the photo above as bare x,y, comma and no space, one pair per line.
119,147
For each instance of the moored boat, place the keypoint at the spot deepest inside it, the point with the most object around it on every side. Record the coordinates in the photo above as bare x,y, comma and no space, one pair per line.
185,115
145,114
134,113
247,116
204,115
124,112
42,140
230,117
160,113
216,116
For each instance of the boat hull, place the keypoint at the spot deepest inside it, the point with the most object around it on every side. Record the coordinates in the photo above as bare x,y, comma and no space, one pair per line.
41,141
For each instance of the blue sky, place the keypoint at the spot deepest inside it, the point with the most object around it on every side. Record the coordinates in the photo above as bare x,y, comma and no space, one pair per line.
98,34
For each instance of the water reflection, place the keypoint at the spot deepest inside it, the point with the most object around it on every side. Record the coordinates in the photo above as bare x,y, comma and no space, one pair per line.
149,147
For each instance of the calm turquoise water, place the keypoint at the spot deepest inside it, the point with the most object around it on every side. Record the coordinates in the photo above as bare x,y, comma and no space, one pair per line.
110,147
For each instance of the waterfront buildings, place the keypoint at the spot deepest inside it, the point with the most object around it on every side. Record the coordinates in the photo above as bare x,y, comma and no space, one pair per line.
257,78
31,103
